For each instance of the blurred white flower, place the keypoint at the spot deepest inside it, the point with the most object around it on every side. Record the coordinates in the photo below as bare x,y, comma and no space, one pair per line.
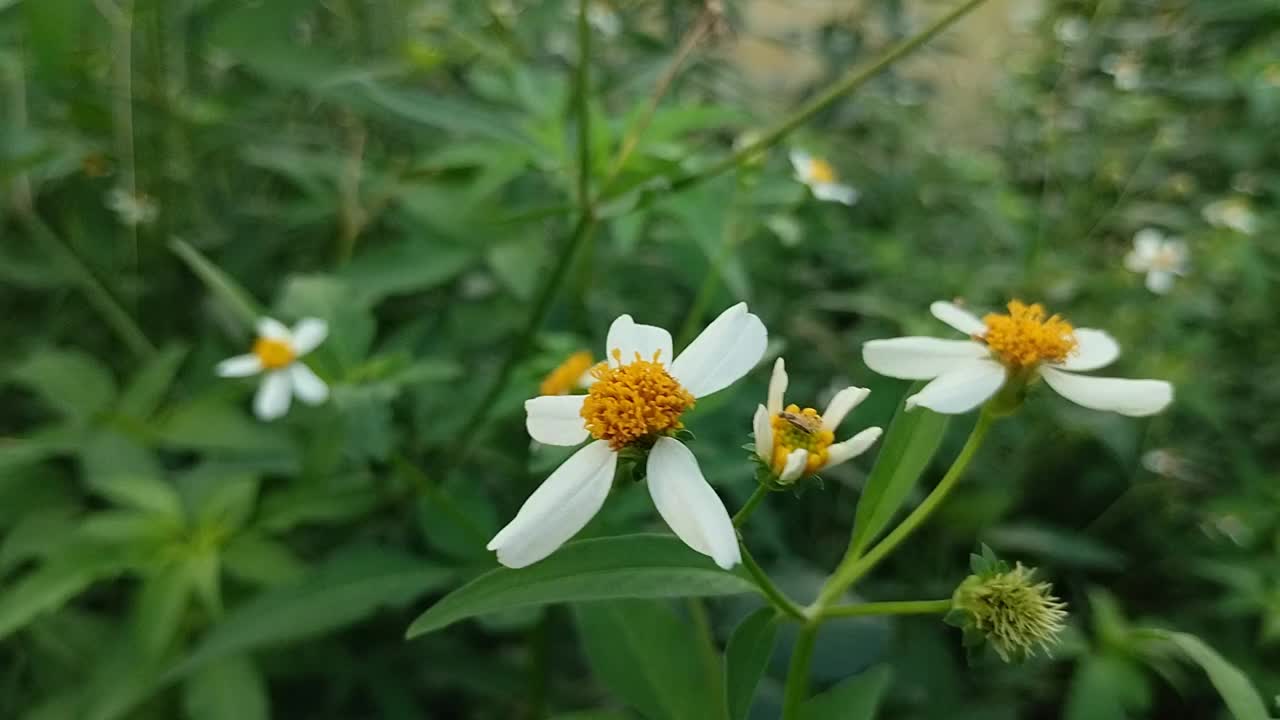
635,404
795,443
1161,258
1020,347
132,209
821,178
275,355
1233,213
1071,30
603,18
1125,70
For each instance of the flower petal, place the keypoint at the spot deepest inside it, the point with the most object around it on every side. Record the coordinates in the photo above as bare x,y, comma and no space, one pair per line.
1147,243
274,395
273,329
777,386
239,366
919,358
1159,282
794,467
725,351
834,192
629,337
1135,398
1094,349
958,318
307,385
561,506
960,389
689,505
556,419
840,405
800,162
1135,262
762,425
853,447
309,333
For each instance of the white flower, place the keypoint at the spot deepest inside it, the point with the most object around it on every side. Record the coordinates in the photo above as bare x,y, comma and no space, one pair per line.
1022,346
132,209
1125,70
635,402
1233,213
1071,30
1161,258
602,17
795,443
275,354
821,178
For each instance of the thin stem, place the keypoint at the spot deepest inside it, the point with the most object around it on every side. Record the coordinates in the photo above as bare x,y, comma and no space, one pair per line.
853,568
798,672
899,607
583,108
351,214
120,17
753,502
772,593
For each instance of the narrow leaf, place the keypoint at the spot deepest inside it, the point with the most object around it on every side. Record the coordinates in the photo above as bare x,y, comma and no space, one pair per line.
857,698
1237,691
231,689
745,659
237,299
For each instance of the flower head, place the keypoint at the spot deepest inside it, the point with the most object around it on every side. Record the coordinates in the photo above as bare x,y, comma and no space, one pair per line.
275,356
1161,258
1233,213
132,208
793,442
821,178
635,406
1007,608
1012,351
573,373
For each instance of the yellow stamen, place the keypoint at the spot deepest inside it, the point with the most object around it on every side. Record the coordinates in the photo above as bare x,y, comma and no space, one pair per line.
273,353
633,401
566,377
821,172
1025,337
795,429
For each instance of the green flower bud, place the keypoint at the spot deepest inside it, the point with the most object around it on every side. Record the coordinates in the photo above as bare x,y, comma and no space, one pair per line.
1006,608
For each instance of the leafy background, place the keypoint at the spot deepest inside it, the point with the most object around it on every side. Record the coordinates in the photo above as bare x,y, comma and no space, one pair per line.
408,171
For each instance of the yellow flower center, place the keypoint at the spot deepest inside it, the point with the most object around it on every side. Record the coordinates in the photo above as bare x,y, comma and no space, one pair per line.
1025,337
795,429
274,354
820,171
566,377
633,401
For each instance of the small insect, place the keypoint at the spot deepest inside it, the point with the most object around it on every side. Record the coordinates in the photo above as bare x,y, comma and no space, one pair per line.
799,422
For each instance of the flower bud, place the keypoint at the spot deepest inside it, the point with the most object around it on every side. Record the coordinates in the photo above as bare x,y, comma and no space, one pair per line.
1007,609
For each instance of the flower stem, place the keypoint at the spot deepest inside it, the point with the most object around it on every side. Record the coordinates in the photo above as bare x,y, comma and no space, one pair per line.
798,672
900,607
582,87
854,567
772,593
753,502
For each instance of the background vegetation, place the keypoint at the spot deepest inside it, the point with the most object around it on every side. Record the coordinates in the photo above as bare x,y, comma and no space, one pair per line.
412,172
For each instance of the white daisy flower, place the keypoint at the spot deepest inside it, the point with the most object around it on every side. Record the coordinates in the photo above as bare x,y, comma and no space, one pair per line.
1015,350
1160,257
821,178
636,401
275,355
132,209
1233,213
795,443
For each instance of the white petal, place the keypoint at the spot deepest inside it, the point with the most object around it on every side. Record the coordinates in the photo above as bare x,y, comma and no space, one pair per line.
1159,281
307,385
239,366
834,192
556,419
725,351
1127,397
308,334
777,386
560,507
919,358
689,505
274,395
958,318
762,425
273,329
629,338
1147,242
840,405
794,467
800,162
1094,349
1181,256
1135,261
853,447
960,389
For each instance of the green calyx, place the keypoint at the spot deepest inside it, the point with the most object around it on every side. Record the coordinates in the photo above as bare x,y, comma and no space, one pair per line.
1007,609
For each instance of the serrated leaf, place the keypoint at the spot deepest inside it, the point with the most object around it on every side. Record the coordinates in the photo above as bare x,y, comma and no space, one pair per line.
745,659
631,566
857,698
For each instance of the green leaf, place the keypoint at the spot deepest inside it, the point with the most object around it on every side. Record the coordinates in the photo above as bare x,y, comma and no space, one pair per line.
405,267
53,30
238,300
231,689
147,388
745,659
255,558
857,698
1242,699
70,382
1107,687
351,324
631,566
51,585
905,452
643,652
142,493
160,607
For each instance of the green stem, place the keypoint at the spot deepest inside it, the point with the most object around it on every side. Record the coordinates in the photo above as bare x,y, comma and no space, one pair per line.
900,607
772,593
583,107
798,672
753,502
854,567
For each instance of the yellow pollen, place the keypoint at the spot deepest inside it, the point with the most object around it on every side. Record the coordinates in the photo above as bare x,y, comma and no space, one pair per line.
1025,337
633,401
820,171
274,354
794,429
566,377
